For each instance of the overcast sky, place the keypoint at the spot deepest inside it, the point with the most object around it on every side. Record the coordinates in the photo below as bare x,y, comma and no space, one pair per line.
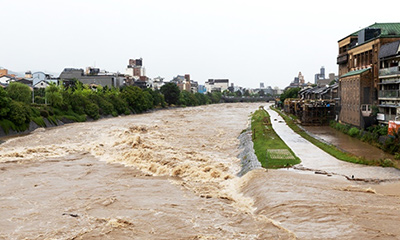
248,41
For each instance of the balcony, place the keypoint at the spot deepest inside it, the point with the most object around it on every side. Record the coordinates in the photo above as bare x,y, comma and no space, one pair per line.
389,94
386,117
342,58
389,71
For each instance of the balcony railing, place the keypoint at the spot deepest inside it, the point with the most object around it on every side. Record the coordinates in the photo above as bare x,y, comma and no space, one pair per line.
387,117
389,94
389,71
342,58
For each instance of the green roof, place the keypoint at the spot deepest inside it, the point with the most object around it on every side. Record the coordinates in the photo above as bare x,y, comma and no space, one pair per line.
354,72
387,30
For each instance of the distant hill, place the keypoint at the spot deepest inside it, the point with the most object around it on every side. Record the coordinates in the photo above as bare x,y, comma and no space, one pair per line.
22,74
18,74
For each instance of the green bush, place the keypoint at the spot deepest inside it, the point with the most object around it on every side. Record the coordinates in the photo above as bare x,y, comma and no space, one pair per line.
92,110
6,125
4,103
353,132
19,113
105,107
367,137
44,113
120,106
391,145
19,92
53,120
386,163
171,93
39,121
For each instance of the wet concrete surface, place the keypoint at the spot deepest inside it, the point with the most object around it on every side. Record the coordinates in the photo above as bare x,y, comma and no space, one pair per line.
315,159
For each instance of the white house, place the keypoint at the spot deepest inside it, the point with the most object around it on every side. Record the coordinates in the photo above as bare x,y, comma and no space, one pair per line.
41,84
41,76
5,79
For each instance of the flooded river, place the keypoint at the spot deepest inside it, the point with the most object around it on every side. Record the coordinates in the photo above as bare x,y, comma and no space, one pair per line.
172,174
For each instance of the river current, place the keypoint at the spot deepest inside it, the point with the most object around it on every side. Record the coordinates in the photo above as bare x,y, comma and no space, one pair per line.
173,174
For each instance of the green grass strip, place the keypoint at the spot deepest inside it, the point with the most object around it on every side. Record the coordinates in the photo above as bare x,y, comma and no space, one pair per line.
330,149
269,148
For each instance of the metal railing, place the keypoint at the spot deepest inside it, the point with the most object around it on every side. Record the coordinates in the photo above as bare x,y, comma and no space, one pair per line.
389,94
389,71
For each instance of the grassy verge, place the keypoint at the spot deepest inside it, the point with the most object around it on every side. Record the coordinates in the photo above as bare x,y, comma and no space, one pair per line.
332,150
269,148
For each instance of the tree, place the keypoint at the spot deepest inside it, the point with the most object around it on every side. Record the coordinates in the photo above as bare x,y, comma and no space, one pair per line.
19,113
290,93
4,103
54,96
138,101
171,93
19,92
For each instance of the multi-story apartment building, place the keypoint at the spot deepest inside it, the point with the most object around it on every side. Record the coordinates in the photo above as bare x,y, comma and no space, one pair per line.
218,85
135,68
358,62
389,82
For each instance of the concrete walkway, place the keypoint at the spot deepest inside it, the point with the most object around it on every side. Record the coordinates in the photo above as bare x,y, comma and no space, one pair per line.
314,158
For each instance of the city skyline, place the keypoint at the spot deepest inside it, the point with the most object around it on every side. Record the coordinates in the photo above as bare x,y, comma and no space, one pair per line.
247,42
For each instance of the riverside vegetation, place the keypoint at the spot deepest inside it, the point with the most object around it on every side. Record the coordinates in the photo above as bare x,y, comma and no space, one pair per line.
373,133
78,102
269,148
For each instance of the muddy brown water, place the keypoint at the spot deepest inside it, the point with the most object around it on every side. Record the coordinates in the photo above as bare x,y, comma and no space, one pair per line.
347,143
172,175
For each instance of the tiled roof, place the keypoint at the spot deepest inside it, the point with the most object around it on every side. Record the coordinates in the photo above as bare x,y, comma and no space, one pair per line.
387,30
354,72
389,49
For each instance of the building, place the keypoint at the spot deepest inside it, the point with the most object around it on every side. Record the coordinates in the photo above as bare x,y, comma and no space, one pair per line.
41,84
301,79
135,68
201,89
41,76
324,82
316,105
194,86
183,82
25,81
95,77
320,75
217,85
157,83
359,71
297,81
389,82
3,72
5,77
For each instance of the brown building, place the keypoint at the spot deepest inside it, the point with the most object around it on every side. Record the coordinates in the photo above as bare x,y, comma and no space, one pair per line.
356,90
358,62
3,72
